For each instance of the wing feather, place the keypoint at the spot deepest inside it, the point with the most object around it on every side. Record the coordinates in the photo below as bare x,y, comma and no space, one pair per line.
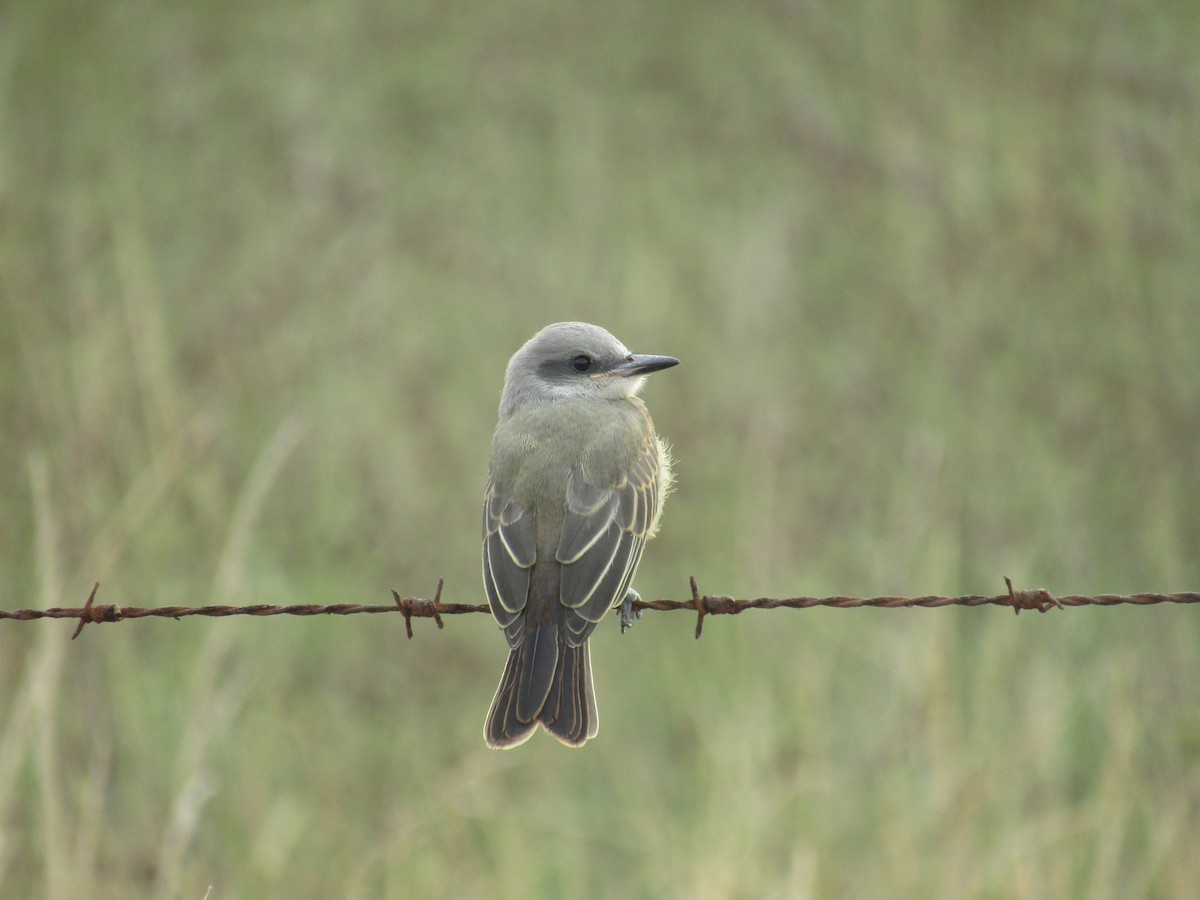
581,579
582,530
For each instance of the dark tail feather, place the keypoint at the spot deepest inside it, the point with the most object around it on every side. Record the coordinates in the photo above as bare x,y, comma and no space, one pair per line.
544,681
570,710
539,660
503,728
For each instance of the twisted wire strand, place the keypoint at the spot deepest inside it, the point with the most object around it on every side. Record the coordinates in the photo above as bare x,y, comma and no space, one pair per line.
702,604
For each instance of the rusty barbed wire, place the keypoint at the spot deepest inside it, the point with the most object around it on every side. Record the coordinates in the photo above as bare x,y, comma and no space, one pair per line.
702,604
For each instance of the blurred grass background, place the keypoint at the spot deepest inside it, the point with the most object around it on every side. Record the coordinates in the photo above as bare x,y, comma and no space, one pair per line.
932,271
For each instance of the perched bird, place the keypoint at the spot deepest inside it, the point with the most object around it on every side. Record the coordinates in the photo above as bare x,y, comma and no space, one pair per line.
575,488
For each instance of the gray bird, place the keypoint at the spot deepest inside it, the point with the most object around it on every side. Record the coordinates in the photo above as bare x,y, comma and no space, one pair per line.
575,488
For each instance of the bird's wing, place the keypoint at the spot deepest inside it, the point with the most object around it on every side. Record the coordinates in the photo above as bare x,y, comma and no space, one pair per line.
609,515
509,551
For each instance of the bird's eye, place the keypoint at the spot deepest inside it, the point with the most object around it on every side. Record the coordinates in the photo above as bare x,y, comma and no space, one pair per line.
581,363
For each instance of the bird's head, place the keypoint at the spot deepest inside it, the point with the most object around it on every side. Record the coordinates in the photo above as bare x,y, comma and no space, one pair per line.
575,360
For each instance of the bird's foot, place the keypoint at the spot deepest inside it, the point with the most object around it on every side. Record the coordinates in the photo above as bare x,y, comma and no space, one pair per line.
629,614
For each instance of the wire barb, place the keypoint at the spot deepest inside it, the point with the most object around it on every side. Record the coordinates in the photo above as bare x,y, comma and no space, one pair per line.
701,606
410,606
437,598
88,612
1038,598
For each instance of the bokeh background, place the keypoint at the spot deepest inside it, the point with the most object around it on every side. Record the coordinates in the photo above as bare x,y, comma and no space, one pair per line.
932,269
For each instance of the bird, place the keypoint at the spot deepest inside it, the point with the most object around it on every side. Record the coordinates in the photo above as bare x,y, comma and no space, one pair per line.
576,483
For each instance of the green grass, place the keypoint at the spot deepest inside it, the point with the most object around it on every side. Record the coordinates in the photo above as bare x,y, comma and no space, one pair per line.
932,272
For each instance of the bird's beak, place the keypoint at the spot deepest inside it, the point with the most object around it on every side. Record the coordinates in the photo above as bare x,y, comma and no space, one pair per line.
642,364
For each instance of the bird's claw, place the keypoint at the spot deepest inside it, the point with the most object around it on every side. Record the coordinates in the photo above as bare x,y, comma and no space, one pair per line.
629,613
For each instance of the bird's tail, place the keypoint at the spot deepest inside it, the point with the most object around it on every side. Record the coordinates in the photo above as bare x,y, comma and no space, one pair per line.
545,681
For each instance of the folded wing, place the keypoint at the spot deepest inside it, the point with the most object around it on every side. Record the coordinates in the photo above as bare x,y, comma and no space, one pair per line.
509,552
604,530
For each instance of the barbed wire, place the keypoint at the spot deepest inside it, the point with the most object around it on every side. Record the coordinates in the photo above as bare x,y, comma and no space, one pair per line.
702,604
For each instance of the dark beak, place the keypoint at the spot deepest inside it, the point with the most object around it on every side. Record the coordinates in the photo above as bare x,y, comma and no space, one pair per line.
642,364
